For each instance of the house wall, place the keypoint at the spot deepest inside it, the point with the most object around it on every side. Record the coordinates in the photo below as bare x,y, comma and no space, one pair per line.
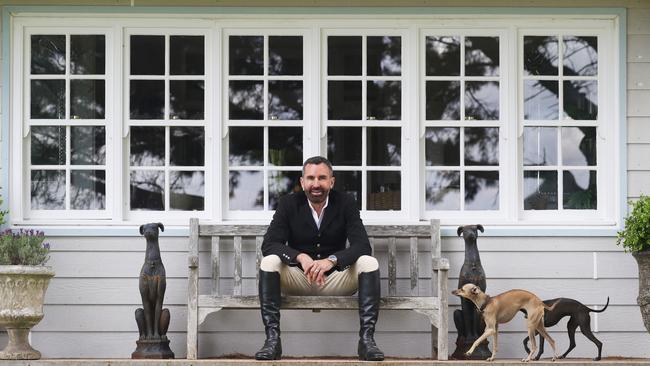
90,303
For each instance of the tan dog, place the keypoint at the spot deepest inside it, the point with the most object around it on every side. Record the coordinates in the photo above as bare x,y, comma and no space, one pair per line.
501,309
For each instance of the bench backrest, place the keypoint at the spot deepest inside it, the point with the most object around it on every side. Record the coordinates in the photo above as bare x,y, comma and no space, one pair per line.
389,232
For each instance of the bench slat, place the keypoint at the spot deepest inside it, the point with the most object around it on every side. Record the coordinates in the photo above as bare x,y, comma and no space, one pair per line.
237,276
215,260
414,266
320,302
392,270
400,231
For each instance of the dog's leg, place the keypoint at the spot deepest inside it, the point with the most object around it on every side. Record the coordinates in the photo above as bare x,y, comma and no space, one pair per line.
585,328
488,331
541,347
495,346
533,343
544,333
571,327
158,308
526,344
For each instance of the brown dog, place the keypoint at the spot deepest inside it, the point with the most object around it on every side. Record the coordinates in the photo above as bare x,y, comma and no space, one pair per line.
501,309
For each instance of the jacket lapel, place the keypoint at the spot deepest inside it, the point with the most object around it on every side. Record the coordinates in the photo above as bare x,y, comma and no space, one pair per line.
305,211
329,211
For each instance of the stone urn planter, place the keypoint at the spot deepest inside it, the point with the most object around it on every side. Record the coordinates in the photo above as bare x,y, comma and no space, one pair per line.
22,289
643,260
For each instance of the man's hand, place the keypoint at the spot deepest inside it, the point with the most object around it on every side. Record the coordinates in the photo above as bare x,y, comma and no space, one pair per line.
314,270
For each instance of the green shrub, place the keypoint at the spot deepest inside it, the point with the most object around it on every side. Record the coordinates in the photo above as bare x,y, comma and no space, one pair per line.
635,236
24,247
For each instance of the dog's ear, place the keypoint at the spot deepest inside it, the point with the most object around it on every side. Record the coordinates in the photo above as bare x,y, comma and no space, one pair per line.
480,227
459,230
141,229
160,225
476,290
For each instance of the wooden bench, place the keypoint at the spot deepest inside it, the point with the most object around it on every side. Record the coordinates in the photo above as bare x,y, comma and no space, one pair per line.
434,307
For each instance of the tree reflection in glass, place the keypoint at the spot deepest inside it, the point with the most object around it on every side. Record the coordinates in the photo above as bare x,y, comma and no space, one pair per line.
482,56
285,55
147,145
442,190
580,55
48,145
47,54
481,146
187,190
285,99
349,182
246,55
384,57
482,100
581,100
186,146
47,189
384,146
47,99
579,189
186,99
541,55
246,99
442,100
540,145
87,99
344,145
579,146
442,56
87,54
481,190
384,100
285,146
281,183
88,189
246,190
245,146
442,146
540,190
88,145
541,100
147,190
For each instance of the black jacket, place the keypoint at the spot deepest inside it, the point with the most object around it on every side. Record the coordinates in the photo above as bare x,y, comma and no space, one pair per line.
294,225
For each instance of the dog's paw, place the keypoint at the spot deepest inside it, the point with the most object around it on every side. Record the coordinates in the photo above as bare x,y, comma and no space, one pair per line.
468,353
525,359
490,359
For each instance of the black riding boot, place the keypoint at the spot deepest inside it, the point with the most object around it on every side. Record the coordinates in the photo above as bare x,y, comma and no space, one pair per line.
269,289
369,292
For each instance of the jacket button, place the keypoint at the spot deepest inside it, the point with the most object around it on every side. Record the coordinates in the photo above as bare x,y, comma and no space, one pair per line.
318,245
317,255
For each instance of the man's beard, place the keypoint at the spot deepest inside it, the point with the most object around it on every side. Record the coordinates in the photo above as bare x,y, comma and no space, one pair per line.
317,198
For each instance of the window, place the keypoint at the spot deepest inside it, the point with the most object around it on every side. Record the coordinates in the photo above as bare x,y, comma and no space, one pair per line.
495,119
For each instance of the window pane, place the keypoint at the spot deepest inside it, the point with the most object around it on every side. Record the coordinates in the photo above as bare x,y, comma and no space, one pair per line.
186,99
349,182
443,100
344,145
579,145
384,100
186,55
285,55
285,99
246,190
48,190
47,99
540,145
540,100
384,146
147,99
48,54
344,55
442,146
442,56
48,145
482,56
481,190
186,146
540,55
87,54
147,190
88,190
579,190
481,146
344,100
580,56
87,99
285,146
147,146
281,183
482,100
540,190
147,55
384,191
443,190
581,100
246,99
187,190
384,56
246,55
88,145
246,146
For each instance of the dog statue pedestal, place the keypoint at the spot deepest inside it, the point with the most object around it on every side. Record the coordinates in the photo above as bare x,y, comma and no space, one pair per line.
468,320
152,319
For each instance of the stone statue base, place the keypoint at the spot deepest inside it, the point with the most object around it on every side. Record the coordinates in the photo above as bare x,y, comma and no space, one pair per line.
482,352
154,349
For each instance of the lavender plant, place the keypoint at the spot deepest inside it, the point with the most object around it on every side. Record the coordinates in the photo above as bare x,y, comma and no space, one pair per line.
23,247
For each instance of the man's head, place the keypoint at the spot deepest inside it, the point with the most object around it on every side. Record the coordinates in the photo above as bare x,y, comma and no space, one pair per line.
317,178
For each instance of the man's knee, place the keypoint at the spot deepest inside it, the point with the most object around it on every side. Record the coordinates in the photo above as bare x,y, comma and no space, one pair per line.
271,263
366,263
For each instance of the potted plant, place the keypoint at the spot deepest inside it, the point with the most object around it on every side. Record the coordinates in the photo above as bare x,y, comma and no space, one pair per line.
23,281
635,238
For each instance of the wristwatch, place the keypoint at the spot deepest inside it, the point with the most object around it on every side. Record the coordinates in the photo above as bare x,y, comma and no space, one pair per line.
332,258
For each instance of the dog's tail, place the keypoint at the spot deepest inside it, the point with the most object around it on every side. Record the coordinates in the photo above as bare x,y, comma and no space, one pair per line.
550,308
601,310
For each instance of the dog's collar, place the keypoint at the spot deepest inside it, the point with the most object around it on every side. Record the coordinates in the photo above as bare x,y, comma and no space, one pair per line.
487,301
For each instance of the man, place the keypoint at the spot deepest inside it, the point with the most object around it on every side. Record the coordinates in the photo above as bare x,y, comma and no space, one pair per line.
315,224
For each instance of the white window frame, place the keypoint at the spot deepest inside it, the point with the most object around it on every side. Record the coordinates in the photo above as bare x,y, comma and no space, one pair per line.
413,26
